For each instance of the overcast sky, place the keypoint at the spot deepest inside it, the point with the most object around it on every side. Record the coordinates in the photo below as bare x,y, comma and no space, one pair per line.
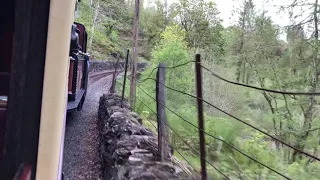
225,8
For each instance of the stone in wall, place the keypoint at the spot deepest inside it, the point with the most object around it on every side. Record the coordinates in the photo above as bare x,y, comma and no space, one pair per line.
129,150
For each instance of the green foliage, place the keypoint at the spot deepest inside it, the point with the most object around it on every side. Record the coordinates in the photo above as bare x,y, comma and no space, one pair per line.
114,36
105,21
200,21
172,50
152,22
249,52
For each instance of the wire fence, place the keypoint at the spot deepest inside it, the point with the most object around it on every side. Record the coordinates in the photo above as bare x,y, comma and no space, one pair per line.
160,86
156,128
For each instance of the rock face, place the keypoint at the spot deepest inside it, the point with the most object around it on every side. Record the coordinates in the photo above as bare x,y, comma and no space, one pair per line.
128,150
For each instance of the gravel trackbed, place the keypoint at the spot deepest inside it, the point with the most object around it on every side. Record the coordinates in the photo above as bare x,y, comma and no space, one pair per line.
81,157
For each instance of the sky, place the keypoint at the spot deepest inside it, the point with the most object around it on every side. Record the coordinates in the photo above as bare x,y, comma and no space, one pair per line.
225,8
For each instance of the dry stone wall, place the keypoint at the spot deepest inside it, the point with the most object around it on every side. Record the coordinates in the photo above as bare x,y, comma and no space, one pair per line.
129,150
97,65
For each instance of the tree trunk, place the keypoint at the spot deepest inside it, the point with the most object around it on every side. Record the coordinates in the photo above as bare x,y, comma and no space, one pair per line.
166,14
308,114
240,63
288,116
95,19
268,99
244,72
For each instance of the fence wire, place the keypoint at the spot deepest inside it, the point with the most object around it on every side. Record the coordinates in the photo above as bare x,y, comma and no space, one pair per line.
261,89
228,114
242,121
241,152
182,139
167,142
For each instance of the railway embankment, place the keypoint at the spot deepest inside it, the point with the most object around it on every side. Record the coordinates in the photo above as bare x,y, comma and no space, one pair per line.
129,150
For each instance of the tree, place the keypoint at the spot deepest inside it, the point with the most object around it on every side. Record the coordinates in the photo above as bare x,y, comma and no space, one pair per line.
172,50
308,56
200,21
153,24
246,24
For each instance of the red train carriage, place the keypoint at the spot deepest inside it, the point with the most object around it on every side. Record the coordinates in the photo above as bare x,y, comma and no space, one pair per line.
78,72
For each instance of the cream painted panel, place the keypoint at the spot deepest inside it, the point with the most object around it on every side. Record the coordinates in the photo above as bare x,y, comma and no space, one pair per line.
54,90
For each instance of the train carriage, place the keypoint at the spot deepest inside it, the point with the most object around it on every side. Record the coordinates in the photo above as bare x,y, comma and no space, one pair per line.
39,82
78,72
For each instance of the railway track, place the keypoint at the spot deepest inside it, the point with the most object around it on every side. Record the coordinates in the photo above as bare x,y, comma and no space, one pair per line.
101,74
98,75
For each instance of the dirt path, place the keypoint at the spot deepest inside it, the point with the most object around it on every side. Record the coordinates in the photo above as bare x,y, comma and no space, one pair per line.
81,158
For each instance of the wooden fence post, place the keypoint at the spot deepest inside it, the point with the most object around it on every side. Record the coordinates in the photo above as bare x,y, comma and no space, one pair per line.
125,78
200,117
161,111
134,55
